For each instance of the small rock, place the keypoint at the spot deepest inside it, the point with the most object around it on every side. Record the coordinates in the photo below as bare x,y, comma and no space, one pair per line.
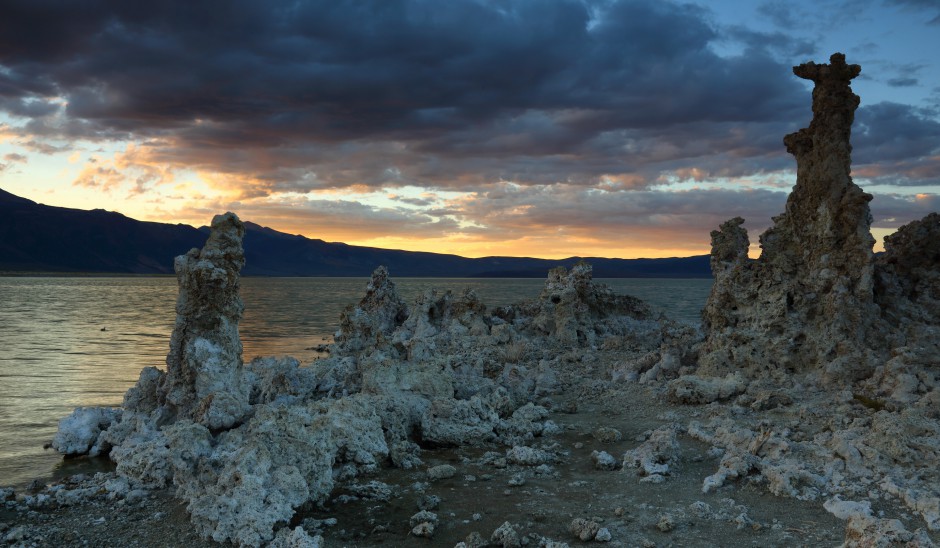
374,490
429,502
527,456
424,529
443,471
475,540
603,535
665,523
606,434
544,470
422,517
584,529
603,460
506,536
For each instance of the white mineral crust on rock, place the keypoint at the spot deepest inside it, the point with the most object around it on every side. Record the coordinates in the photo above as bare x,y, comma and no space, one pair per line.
204,379
78,433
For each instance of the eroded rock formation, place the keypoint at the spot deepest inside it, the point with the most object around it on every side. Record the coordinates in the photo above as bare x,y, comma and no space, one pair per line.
204,366
246,446
817,305
807,303
817,299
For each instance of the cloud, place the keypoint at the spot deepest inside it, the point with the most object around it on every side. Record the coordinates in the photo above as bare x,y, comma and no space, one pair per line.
43,147
902,82
303,96
571,118
895,210
133,167
928,6
781,14
896,144
14,157
331,220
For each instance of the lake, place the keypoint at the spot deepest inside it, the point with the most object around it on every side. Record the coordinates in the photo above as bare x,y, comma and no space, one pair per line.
70,342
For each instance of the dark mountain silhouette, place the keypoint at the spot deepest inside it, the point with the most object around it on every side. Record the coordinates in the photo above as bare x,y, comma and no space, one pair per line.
40,238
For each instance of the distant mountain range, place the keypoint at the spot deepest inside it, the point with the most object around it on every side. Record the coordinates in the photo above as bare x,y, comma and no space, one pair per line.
40,238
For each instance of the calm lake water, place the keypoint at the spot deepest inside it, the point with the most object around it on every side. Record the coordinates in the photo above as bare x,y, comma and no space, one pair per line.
70,342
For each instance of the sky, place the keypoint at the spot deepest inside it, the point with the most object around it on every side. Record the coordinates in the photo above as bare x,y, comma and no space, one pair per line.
541,128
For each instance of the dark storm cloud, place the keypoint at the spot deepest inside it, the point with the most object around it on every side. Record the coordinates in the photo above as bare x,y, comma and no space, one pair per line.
896,144
529,80
296,96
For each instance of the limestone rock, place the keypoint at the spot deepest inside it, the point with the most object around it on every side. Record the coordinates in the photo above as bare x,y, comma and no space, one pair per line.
584,529
257,475
78,433
865,531
459,422
247,445
575,310
808,300
506,536
603,460
295,538
204,366
654,457
907,281
443,471
369,324
691,389
528,456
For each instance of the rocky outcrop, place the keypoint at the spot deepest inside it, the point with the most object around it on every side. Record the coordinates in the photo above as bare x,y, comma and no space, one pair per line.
818,305
246,446
574,310
204,366
907,274
369,324
808,302
80,432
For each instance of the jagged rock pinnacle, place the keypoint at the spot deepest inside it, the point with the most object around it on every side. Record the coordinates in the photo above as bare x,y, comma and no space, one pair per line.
204,366
807,300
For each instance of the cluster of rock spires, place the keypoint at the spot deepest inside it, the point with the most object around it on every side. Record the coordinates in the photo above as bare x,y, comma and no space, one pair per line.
246,446
817,298
817,327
